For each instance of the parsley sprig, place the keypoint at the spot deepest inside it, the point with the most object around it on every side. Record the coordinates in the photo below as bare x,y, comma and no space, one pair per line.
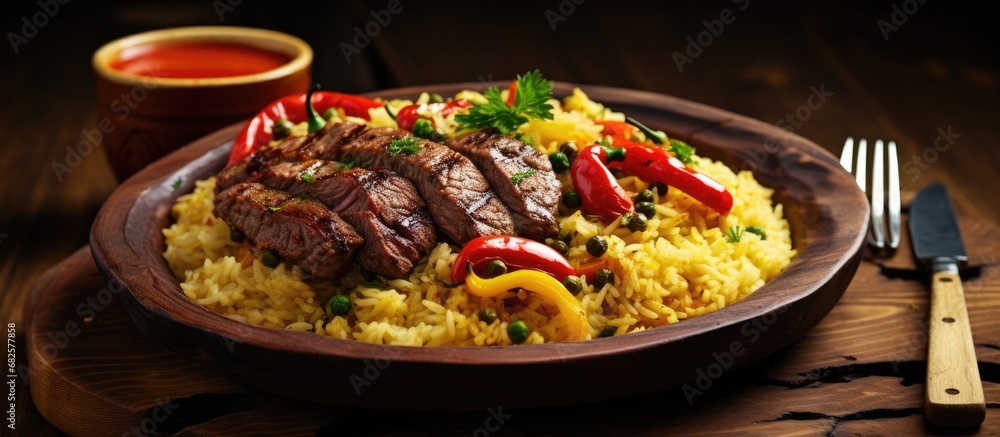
530,101
519,177
405,145
682,151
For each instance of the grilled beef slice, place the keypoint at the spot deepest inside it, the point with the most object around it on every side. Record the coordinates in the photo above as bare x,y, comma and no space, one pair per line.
458,197
302,231
381,205
533,200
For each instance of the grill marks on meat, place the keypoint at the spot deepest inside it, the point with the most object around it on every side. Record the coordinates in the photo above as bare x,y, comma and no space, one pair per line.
302,231
381,205
457,195
533,202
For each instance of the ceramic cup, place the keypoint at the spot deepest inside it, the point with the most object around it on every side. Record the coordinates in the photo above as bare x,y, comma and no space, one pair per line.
142,118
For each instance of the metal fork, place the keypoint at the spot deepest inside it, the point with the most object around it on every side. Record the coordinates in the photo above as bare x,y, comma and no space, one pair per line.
877,195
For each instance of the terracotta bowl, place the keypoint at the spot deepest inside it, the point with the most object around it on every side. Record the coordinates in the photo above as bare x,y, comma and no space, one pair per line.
827,212
143,118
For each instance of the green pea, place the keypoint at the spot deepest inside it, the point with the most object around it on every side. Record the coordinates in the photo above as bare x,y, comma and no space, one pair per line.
281,129
270,258
496,268
660,188
597,246
602,278
636,222
339,305
646,208
608,331
571,199
565,237
569,149
518,331
236,235
488,315
330,113
436,98
644,196
422,128
559,246
572,284
559,161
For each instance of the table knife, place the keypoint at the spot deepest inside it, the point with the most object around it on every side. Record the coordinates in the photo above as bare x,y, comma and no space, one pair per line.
954,392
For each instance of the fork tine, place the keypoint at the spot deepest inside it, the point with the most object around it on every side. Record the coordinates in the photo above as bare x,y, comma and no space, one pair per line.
847,154
861,170
894,207
878,195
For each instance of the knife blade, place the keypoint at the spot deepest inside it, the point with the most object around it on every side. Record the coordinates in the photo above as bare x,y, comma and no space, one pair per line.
954,391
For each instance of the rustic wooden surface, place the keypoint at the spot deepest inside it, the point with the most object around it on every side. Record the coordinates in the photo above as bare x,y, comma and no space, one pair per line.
860,370
938,70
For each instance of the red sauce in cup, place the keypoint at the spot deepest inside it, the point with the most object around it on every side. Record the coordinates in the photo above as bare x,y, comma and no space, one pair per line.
195,60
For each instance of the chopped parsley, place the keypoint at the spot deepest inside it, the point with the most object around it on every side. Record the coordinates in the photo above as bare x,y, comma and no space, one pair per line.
682,151
519,177
176,185
303,196
530,101
735,234
274,208
757,230
405,145
307,178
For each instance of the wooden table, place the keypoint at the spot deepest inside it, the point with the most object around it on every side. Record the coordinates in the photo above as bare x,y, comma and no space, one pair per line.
932,84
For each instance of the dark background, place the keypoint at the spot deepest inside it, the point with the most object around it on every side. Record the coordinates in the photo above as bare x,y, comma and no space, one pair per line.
937,71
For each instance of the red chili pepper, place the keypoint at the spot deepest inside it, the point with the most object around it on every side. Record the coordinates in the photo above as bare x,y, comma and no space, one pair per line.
654,164
599,191
516,252
257,132
512,93
407,116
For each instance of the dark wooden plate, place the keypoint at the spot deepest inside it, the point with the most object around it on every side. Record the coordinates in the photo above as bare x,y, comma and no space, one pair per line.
827,212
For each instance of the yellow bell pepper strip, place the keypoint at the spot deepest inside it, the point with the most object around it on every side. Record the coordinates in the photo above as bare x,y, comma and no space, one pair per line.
540,283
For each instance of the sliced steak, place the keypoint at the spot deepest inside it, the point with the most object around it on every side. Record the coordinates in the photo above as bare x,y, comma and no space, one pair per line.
302,231
458,197
383,206
534,198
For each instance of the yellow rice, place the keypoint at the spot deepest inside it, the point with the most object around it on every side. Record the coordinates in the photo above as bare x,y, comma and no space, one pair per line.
682,266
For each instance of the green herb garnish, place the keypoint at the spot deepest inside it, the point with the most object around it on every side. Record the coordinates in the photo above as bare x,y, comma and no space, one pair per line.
347,163
519,177
682,151
274,208
405,145
303,196
530,101
307,178
422,128
757,230
735,234
176,185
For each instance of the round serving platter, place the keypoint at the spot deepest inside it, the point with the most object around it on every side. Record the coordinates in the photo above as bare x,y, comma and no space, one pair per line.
827,212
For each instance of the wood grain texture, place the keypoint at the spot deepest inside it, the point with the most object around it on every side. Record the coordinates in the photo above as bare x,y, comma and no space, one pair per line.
954,395
826,210
938,71
860,371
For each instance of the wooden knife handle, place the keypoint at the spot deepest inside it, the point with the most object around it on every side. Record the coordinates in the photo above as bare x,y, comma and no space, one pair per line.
954,390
